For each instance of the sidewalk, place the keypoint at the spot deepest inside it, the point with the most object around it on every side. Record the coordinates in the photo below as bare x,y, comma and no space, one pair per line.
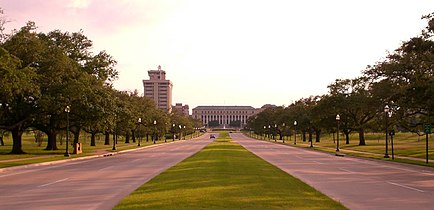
343,151
97,153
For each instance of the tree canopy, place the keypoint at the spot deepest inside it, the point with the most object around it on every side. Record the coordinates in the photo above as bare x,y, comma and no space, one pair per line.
42,73
404,81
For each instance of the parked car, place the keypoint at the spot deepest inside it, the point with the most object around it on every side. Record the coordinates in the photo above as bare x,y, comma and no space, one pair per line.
212,136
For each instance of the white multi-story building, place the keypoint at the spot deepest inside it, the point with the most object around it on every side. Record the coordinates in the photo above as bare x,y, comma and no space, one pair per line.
159,89
224,116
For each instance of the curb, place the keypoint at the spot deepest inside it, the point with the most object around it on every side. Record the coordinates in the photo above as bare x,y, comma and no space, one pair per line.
342,154
79,158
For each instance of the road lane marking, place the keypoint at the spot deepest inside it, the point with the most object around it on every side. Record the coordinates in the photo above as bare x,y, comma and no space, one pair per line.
342,169
407,187
105,168
44,185
317,162
297,156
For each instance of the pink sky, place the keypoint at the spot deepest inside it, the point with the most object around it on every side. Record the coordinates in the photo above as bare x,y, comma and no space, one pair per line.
233,52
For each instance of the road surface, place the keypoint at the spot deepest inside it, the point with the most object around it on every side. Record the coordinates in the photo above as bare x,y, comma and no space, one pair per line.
355,182
98,183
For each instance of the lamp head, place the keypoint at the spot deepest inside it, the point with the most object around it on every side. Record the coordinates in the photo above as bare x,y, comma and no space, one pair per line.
386,108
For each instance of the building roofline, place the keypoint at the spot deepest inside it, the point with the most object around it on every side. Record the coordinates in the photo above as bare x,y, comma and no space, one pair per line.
224,107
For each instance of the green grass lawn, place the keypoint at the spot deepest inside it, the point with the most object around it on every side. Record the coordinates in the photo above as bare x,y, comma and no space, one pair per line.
226,176
36,154
405,144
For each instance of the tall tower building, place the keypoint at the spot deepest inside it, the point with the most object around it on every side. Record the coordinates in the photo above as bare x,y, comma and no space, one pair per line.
159,89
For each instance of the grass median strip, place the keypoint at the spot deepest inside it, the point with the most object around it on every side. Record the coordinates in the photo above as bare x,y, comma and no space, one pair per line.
224,175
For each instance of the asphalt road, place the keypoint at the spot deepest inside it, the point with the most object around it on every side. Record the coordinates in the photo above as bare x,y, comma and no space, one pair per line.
355,182
98,183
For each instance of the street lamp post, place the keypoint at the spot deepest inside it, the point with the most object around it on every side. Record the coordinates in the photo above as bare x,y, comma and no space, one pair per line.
184,132
338,119
275,132
180,132
295,132
269,132
67,110
138,132
392,133
155,133
265,130
173,131
283,129
386,114
114,135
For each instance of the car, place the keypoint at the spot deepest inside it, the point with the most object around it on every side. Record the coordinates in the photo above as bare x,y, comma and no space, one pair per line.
212,136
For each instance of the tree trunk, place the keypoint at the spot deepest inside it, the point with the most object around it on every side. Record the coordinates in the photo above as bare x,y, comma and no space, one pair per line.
303,136
76,135
92,139
2,143
317,135
347,136
51,144
310,135
107,138
127,138
133,136
17,148
362,137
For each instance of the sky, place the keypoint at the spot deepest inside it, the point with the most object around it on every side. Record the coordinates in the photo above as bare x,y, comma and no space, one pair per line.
233,52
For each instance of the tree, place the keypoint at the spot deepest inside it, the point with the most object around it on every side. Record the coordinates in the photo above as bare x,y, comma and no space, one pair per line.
357,104
3,21
18,94
97,113
91,74
213,123
67,73
406,78
2,133
302,110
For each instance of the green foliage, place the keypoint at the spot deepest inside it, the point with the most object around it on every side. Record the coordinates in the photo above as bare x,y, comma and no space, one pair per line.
213,123
404,81
41,74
